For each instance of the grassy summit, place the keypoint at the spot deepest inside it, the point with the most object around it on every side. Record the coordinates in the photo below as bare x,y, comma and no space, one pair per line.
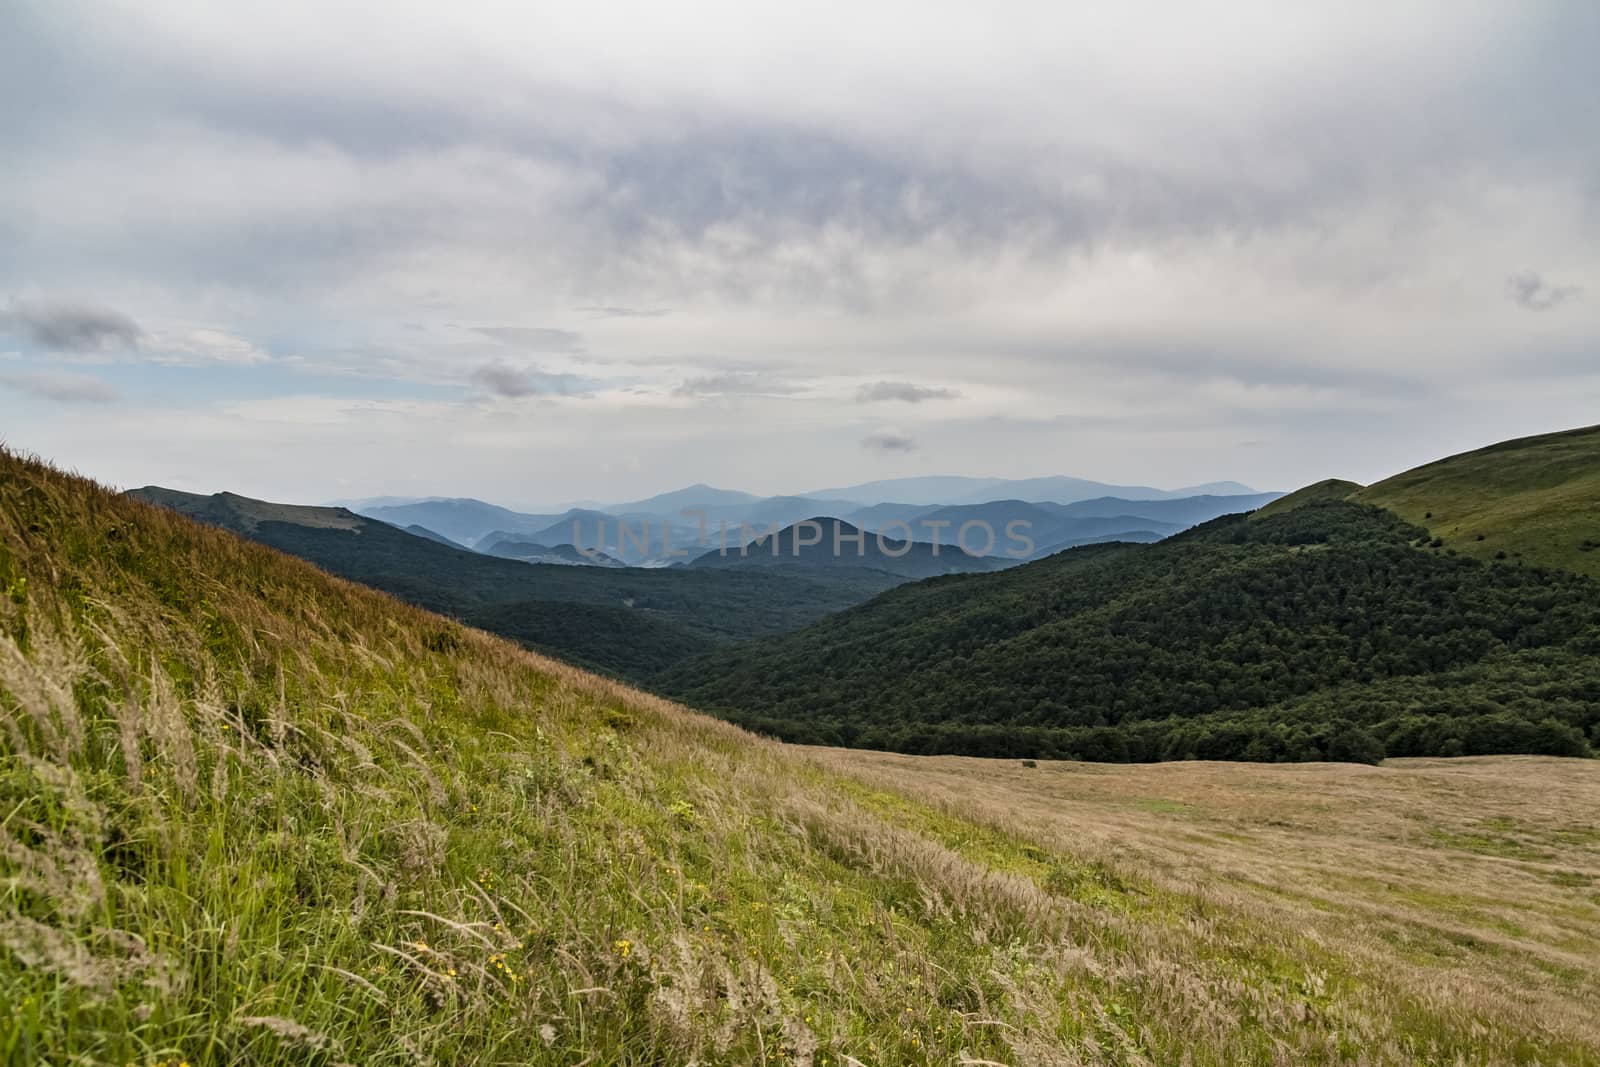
250,813
1535,498
1330,489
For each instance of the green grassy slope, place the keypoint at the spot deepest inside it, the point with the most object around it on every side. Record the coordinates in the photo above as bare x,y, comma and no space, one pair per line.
1330,489
1326,631
253,814
1536,499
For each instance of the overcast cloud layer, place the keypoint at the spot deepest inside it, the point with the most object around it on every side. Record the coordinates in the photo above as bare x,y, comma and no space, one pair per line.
536,253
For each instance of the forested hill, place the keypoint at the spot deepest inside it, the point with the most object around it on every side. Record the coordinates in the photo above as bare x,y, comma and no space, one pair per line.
1333,630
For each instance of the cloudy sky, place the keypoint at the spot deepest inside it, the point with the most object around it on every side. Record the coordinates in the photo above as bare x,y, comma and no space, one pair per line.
541,252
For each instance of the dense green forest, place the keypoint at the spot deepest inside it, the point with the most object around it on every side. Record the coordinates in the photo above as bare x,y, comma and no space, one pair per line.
1331,631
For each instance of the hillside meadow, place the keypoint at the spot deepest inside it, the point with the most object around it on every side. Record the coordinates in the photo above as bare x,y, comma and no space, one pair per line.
250,813
1480,875
1533,498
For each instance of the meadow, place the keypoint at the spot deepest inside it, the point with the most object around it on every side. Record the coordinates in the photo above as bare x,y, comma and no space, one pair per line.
1475,879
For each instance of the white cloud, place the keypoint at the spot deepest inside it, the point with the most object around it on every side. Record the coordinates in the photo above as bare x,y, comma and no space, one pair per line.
201,345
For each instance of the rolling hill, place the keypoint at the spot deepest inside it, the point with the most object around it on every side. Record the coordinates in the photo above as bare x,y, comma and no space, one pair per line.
511,546
1043,526
1332,630
256,814
1536,499
1181,512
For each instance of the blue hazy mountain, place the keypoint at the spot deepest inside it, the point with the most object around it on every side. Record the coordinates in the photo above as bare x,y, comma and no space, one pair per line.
832,544
423,531
461,519
947,489
466,521
1053,527
695,497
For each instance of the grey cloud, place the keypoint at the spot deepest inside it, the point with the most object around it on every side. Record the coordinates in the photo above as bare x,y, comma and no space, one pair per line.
888,442
737,384
1528,289
535,339
505,381
62,388
645,200
906,391
65,326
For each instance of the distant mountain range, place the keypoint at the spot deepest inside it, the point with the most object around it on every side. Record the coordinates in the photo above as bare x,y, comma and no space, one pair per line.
658,530
1055,490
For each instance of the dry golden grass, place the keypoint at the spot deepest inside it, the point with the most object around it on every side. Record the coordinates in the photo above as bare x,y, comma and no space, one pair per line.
1473,882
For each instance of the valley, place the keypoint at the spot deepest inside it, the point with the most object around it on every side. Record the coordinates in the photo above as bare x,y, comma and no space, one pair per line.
586,605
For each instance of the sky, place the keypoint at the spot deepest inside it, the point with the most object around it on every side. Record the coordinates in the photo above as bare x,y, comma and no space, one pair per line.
537,253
